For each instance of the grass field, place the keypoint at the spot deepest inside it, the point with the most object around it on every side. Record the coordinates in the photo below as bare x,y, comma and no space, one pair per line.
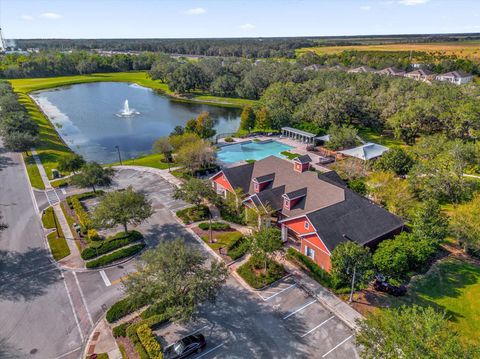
452,286
153,160
57,242
463,49
33,173
52,146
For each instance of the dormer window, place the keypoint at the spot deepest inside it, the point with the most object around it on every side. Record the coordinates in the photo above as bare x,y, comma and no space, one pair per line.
259,183
256,187
286,203
302,163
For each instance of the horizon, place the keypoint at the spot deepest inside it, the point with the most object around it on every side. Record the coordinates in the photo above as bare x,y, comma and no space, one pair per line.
210,19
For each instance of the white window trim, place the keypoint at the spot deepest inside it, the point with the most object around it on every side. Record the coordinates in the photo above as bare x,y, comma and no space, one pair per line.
307,248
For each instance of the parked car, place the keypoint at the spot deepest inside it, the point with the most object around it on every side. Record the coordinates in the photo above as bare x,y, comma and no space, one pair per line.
185,347
382,285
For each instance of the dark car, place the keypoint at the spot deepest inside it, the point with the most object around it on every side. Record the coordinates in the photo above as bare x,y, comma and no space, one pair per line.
382,285
186,346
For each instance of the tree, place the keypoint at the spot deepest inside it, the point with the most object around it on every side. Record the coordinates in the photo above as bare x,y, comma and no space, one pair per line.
465,223
122,208
71,162
262,120
201,126
195,191
176,278
341,137
177,131
429,222
395,160
177,141
18,122
351,265
196,155
410,333
186,78
163,146
247,119
265,243
20,141
93,175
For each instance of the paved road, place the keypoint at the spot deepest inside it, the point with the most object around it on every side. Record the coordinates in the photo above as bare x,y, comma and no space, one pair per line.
36,317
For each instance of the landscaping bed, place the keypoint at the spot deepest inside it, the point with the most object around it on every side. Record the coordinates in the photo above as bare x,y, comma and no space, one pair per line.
56,240
225,243
115,256
109,244
254,274
193,214
310,267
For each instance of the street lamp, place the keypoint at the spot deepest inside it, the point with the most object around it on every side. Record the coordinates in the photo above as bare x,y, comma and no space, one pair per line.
119,157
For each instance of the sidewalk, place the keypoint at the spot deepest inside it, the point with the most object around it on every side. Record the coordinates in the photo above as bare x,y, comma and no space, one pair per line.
102,341
341,309
41,169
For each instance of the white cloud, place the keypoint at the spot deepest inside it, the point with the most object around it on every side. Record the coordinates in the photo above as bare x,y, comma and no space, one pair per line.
247,26
51,16
196,11
413,2
26,17
365,7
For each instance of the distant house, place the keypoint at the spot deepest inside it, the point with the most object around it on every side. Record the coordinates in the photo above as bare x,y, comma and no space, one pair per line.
366,152
455,77
391,71
316,212
361,69
421,75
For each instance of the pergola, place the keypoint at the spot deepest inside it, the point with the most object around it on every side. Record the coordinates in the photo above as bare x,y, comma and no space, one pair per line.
298,135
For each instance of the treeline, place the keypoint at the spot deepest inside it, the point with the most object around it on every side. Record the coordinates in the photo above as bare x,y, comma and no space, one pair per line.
54,63
244,47
18,130
436,62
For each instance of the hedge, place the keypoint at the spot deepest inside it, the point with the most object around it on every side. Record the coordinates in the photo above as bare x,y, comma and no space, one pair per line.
152,322
238,248
215,226
120,330
247,271
82,215
114,256
312,269
111,243
149,342
122,308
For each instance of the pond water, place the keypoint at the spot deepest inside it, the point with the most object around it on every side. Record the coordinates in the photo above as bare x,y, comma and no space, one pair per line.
88,118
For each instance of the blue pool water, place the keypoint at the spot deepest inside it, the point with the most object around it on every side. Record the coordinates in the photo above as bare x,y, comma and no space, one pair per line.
251,151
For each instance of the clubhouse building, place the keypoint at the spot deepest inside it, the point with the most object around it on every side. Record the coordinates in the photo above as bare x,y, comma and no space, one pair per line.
316,212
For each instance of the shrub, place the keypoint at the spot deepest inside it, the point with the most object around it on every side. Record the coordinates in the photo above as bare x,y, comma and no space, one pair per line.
216,226
312,268
114,256
229,139
193,214
149,342
238,248
120,330
231,216
82,215
152,322
122,308
248,272
93,235
358,185
119,240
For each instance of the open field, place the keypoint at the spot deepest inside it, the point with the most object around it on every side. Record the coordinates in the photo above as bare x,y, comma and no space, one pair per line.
453,286
52,147
463,49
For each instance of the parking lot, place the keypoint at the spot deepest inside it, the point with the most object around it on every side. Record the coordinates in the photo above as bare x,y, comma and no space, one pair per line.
308,320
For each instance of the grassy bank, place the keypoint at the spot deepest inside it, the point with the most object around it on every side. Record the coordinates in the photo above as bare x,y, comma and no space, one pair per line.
154,160
52,146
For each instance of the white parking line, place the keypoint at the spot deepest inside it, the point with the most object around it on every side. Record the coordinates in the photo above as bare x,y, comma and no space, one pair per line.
299,309
318,326
211,350
105,278
283,290
335,347
73,307
68,353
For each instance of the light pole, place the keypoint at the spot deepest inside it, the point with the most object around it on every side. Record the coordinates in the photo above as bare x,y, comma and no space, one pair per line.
119,156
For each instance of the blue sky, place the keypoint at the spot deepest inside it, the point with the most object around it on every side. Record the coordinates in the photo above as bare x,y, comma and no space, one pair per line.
233,18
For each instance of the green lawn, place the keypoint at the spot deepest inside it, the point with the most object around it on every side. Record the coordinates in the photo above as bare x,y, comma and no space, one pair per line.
453,286
153,160
48,218
33,173
369,135
289,155
222,240
56,241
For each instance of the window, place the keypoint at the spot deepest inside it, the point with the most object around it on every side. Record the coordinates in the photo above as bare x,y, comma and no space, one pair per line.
307,225
309,252
256,187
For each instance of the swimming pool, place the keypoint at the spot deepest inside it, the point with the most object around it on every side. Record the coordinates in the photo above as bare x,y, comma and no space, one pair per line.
251,151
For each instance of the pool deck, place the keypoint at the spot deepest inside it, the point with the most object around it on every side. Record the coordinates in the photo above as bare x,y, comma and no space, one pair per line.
297,147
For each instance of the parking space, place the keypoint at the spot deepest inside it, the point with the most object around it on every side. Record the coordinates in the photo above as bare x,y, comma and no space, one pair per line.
309,321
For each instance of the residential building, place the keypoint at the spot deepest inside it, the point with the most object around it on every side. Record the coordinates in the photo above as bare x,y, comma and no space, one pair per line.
391,71
455,77
361,69
316,212
421,75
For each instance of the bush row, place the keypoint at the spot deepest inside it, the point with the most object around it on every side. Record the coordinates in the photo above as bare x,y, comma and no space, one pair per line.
215,226
82,215
248,270
122,308
114,256
149,342
111,243
312,269
238,248
151,322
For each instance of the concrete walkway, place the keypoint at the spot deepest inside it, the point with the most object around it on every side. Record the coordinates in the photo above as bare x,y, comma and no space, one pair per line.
102,341
73,260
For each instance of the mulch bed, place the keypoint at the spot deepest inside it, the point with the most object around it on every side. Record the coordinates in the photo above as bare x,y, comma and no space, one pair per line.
129,348
201,233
